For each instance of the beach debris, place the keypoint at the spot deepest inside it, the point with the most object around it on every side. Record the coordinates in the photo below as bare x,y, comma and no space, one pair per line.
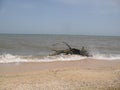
70,50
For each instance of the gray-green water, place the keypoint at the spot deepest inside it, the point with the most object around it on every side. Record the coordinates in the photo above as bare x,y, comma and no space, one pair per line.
39,46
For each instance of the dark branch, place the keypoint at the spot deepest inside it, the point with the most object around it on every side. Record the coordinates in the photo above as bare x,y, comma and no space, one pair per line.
67,45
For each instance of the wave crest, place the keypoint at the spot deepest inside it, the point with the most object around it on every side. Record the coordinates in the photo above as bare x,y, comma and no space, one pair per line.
9,58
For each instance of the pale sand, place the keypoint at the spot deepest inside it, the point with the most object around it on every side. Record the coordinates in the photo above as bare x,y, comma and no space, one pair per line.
68,75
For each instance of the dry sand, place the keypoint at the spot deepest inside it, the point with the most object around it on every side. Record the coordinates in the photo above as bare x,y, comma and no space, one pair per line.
65,75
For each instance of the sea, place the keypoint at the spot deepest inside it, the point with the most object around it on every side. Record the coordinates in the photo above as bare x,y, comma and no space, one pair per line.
16,48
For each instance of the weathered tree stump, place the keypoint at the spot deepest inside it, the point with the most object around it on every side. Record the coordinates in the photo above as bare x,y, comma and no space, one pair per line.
82,52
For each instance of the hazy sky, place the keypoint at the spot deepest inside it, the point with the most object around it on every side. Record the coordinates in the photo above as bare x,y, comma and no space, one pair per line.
84,17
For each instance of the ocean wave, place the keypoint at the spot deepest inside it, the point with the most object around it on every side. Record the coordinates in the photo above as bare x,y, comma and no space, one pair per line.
106,57
9,58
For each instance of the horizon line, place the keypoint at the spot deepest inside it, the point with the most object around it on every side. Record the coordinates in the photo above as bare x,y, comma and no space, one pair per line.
53,34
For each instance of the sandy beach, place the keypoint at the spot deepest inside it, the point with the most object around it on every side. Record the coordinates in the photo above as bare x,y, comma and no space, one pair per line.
87,74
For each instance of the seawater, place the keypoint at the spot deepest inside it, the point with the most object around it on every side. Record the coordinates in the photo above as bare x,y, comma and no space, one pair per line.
37,48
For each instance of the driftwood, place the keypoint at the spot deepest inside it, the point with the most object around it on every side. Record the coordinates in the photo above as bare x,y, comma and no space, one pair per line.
82,52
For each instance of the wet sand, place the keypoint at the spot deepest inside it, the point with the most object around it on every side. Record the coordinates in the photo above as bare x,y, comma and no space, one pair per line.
85,74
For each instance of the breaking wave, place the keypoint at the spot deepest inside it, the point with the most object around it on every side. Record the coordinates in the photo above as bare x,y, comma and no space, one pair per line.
106,57
9,58
100,56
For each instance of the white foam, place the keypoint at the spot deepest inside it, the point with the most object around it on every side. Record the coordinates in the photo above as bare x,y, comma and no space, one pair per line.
65,57
9,58
106,57
100,56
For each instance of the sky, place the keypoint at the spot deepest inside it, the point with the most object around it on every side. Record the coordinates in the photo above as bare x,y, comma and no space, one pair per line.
77,17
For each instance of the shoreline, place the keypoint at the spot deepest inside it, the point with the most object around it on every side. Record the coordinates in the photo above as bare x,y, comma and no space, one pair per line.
38,66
